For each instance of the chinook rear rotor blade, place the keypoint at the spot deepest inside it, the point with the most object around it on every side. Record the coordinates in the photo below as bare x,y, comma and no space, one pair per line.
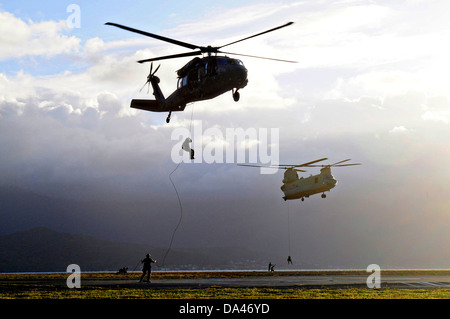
340,162
347,165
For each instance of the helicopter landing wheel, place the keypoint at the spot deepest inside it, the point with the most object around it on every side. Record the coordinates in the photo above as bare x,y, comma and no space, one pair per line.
168,117
323,195
236,96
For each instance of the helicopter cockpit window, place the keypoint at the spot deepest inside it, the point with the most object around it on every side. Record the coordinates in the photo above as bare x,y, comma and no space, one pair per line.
236,62
182,82
221,61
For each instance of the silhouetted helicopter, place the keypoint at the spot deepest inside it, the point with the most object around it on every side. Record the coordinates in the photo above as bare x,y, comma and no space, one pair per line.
295,188
200,79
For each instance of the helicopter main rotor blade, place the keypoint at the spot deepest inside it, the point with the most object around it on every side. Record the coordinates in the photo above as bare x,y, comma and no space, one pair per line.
337,164
290,167
181,55
274,166
302,165
148,34
312,162
259,57
347,165
340,162
286,166
282,26
255,165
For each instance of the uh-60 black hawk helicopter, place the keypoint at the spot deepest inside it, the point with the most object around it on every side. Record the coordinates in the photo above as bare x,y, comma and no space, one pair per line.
200,79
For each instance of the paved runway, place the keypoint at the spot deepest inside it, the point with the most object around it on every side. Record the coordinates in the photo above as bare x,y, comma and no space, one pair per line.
275,308
309,281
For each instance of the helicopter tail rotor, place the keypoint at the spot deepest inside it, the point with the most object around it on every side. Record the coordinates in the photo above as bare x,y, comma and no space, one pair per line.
148,80
151,66
151,76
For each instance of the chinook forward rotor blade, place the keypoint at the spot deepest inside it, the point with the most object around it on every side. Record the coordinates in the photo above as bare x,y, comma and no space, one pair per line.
258,34
301,165
252,165
287,166
337,164
291,167
148,34
181,55
312,162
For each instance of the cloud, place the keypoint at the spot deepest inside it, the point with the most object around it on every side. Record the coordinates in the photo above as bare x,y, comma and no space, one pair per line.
434,116
72,134
399,129
56,137
92,103
20,38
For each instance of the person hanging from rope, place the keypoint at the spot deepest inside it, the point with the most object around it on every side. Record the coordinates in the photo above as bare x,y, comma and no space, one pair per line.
187,148
147,268
289,260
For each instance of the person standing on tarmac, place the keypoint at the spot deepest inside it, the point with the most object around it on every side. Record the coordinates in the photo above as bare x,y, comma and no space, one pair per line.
147,268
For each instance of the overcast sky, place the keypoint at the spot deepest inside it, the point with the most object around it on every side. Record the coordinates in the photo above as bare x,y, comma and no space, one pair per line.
371,84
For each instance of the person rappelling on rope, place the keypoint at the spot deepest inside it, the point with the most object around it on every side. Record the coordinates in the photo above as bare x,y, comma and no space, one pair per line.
187,148
147,267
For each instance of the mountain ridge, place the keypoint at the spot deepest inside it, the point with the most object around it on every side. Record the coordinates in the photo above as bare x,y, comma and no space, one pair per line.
41,249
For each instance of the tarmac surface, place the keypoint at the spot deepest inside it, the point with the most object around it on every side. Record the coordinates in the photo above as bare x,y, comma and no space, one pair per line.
218,308
402,281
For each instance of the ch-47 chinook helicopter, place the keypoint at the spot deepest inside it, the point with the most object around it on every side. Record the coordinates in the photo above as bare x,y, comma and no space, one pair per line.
295,188
200,79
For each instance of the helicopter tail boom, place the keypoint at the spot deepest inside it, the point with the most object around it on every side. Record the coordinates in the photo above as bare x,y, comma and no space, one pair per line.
154,106
147,105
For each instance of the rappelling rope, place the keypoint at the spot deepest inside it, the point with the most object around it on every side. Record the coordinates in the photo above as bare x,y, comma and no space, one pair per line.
190,123
181,214
179,200
289,229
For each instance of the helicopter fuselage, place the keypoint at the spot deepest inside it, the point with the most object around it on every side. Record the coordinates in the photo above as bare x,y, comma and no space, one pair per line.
295,188
207,78
200,79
